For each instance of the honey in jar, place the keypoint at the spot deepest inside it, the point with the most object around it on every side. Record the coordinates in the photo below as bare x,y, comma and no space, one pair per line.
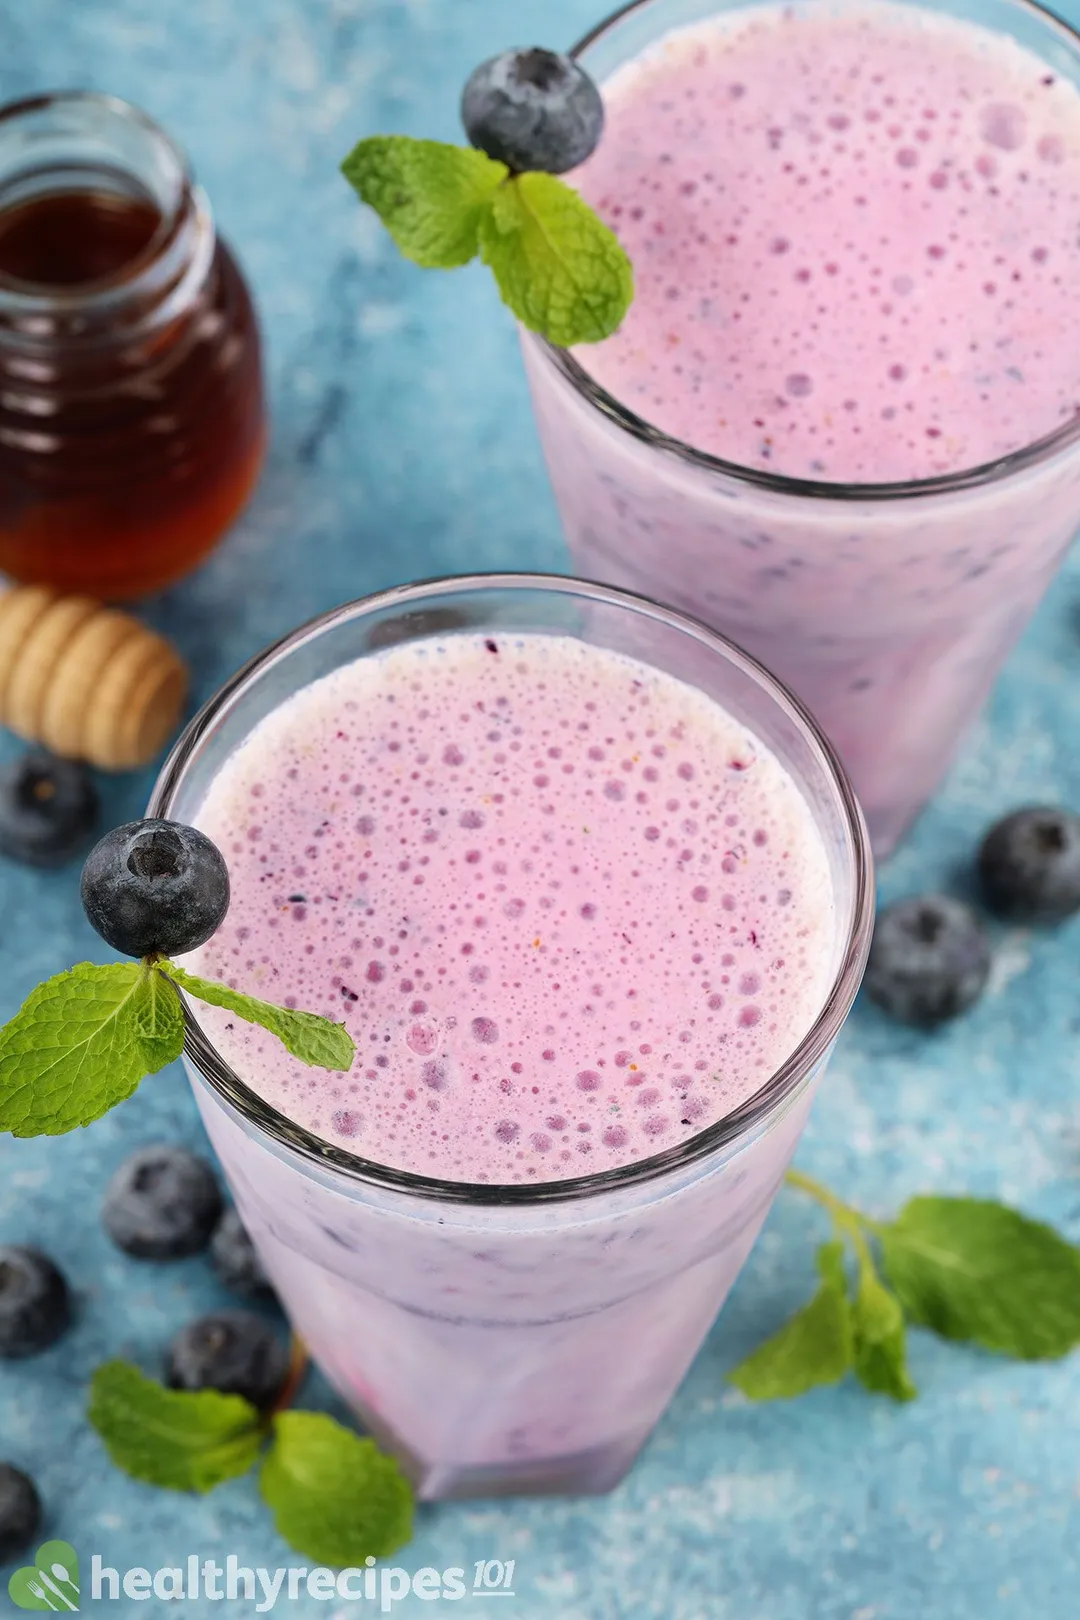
132,423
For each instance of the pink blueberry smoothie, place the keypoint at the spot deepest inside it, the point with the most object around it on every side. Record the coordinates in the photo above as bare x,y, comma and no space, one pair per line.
575,914
571,912
854,233
854,237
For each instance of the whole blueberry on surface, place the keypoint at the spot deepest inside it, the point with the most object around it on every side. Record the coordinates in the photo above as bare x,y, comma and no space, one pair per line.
533,109
1029,865
234,1352
48,808
155,888
162,1204
35,1308
929,960
20,1512
236,1261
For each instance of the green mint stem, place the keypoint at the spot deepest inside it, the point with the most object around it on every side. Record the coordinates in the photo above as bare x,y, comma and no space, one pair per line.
852,1222
849,1219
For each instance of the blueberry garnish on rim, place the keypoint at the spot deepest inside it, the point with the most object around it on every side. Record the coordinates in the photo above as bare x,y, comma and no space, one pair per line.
83,1040
155,887
530,115
533,109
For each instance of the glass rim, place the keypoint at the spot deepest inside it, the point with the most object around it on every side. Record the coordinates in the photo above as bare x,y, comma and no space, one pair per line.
764,1102
638,427
30,297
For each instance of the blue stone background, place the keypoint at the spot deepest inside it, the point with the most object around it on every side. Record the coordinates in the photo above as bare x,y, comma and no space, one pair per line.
403,447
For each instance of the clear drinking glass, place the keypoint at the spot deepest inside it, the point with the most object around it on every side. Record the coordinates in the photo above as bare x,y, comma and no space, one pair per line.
889,608
509,1339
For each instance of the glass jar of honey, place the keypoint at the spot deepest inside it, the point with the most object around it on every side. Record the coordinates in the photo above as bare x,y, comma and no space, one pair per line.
132,423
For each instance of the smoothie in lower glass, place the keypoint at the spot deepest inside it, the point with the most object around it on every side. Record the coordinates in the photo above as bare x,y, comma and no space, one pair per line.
853,231
578,917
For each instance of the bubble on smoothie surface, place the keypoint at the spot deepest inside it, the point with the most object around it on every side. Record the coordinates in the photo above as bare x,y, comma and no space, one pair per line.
861,265
544,977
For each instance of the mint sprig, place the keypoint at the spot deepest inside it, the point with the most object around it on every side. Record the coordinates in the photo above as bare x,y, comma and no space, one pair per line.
972,1269
83,1040
334,1495
172,1438
968,1269
558,267
308,1036
80,1044
815,1347
430,196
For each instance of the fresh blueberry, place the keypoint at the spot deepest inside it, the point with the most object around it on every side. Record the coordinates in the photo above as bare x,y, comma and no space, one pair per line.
929,961
232,1351
155,888
533,109
34,1305
20,1512
162,1203
236,1260
1029,865
48,808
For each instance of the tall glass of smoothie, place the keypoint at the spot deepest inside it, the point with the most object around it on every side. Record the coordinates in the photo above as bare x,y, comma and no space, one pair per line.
841,421
593,896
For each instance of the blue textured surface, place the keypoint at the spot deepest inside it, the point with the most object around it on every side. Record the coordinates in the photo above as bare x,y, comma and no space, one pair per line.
403,447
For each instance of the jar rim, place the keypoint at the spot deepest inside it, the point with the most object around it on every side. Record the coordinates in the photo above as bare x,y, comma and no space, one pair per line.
181,196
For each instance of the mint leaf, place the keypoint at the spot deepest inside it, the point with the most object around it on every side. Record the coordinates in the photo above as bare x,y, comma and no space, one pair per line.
814,1347
972,1269
560,269
180,1440
431,197
159,1019
79,1045
335,1497
880,1345
314,1040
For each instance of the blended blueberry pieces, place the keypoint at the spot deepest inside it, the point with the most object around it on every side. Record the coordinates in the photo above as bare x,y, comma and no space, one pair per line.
930,959
48,809
162,1204
234,1352
155,888
533,109
35,1308
20,1512
1029,865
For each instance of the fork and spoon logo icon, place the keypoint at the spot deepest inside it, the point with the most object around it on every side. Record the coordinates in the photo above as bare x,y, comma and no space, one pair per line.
51,1582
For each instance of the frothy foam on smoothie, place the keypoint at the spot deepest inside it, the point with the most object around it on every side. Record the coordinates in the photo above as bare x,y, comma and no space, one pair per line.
854,234
570,910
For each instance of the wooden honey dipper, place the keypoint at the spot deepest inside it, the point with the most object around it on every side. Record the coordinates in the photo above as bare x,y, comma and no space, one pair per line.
85,680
